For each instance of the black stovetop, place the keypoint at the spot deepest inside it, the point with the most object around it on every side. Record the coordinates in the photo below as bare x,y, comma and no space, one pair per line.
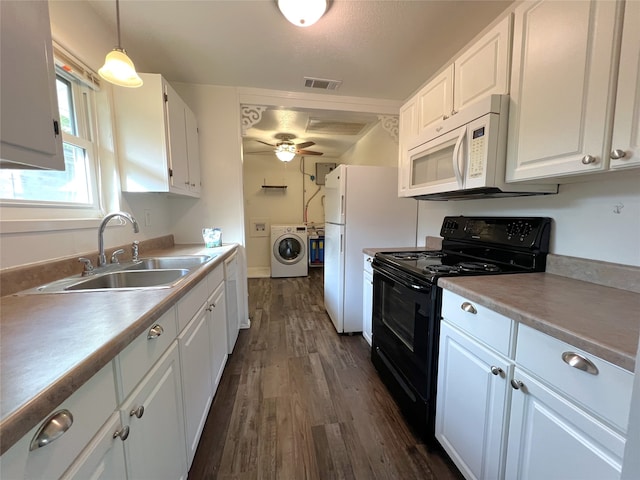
478,246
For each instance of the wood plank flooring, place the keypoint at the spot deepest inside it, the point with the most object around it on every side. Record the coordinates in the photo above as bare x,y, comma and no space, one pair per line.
298,401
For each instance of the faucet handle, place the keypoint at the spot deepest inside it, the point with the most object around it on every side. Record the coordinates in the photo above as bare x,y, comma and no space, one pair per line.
88,266
114,255
135,249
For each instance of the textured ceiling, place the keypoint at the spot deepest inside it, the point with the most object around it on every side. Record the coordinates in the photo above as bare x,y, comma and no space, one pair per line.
382,49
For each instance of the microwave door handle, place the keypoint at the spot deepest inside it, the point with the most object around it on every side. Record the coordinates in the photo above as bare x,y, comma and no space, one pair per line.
458,152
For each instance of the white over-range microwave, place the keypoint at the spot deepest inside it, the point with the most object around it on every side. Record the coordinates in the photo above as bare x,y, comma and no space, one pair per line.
464,156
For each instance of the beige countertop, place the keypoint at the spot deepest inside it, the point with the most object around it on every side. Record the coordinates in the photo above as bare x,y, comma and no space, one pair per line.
601,320
51,344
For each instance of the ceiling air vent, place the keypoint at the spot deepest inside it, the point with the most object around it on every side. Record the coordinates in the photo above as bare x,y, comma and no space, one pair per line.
321,83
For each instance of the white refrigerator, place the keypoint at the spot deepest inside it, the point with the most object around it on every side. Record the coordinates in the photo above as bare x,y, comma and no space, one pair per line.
362,210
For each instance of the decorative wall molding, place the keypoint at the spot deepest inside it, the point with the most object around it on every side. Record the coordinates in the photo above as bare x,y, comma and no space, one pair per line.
251,114
391,125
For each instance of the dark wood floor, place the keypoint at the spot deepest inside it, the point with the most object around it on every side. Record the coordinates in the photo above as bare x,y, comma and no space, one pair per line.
298,401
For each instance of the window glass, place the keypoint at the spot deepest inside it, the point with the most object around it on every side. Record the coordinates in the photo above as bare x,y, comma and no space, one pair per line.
77,184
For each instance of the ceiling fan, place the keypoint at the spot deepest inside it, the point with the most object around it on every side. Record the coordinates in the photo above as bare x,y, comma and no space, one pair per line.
285,150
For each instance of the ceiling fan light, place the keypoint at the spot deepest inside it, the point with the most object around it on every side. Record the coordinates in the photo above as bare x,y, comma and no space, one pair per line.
119,69
302,13
285,152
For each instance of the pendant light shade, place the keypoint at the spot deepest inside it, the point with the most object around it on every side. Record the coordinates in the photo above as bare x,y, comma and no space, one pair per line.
118,67
302,13
285,152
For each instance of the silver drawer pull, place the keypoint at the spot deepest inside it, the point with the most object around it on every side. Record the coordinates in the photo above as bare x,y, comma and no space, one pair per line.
51,429
469,308
123,433
517,384
581,363
138,412
497,370
155,331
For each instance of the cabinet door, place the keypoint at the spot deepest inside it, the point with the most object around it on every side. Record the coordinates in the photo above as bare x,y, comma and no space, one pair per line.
435,100
367,302
626,123
177,137
231,299
408,129
472,404
564,56
196,373
28,99
551,438
193,151
103,459
218,333
484,68
156,447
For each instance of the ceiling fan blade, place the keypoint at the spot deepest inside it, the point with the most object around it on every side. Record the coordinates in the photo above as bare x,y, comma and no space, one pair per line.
308,152
305,145
265,143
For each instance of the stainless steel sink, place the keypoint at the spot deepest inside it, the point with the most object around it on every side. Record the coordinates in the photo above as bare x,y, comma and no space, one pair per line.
145,273
183,261
130,279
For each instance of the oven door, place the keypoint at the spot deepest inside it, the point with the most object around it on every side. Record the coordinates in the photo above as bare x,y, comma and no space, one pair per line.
405,329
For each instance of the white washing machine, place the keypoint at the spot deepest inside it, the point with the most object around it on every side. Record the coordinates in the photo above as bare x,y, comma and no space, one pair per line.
289,254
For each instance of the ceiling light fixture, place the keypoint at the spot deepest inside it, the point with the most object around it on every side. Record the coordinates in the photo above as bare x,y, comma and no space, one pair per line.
118,67
302,13
285,152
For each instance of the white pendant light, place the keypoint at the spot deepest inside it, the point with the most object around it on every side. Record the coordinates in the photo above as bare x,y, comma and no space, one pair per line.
302,13
118,67
285,152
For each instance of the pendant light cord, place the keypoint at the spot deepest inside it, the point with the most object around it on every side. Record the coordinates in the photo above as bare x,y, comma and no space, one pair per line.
118,23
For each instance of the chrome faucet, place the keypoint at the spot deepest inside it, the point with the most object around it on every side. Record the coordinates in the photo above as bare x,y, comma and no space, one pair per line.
102,258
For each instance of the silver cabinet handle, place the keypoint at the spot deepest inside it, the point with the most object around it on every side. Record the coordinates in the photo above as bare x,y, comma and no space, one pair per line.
123,433
369,260
588,159
444,117
497,370
155,331
617,154
137,412
516,384
469,308
52,428
453,112
576,360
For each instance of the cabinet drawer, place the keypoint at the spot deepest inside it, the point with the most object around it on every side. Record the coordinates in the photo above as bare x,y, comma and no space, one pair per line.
189,305
90,407
136,360
495,330
214,279
606,393
367,263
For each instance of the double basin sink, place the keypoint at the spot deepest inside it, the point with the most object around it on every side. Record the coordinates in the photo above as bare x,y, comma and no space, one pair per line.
146,273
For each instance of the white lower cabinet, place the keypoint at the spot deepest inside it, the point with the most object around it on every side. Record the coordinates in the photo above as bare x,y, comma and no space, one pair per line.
367,298
515,403
472,404
103,459
196,378
218,333
232,300
154,413
552,438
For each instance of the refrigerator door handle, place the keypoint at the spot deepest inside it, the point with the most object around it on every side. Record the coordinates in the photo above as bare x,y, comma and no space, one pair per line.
341,242
342,205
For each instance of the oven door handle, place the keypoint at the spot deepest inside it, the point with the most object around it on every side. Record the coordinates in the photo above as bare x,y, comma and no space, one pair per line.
402,281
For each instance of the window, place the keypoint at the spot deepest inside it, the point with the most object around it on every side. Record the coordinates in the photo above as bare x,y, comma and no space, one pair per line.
76,185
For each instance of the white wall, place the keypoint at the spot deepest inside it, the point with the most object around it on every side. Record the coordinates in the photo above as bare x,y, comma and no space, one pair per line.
585,224
377,147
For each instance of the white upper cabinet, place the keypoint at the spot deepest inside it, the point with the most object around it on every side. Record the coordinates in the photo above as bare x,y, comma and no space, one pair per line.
157,139
565,58
626,122
435,100
30,129
484,68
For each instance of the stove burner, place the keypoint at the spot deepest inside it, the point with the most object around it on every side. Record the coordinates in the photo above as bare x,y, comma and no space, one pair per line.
441,269
477,267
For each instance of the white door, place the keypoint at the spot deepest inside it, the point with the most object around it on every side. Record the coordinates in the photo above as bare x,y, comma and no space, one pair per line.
551,438
472,404
335,191
334,274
